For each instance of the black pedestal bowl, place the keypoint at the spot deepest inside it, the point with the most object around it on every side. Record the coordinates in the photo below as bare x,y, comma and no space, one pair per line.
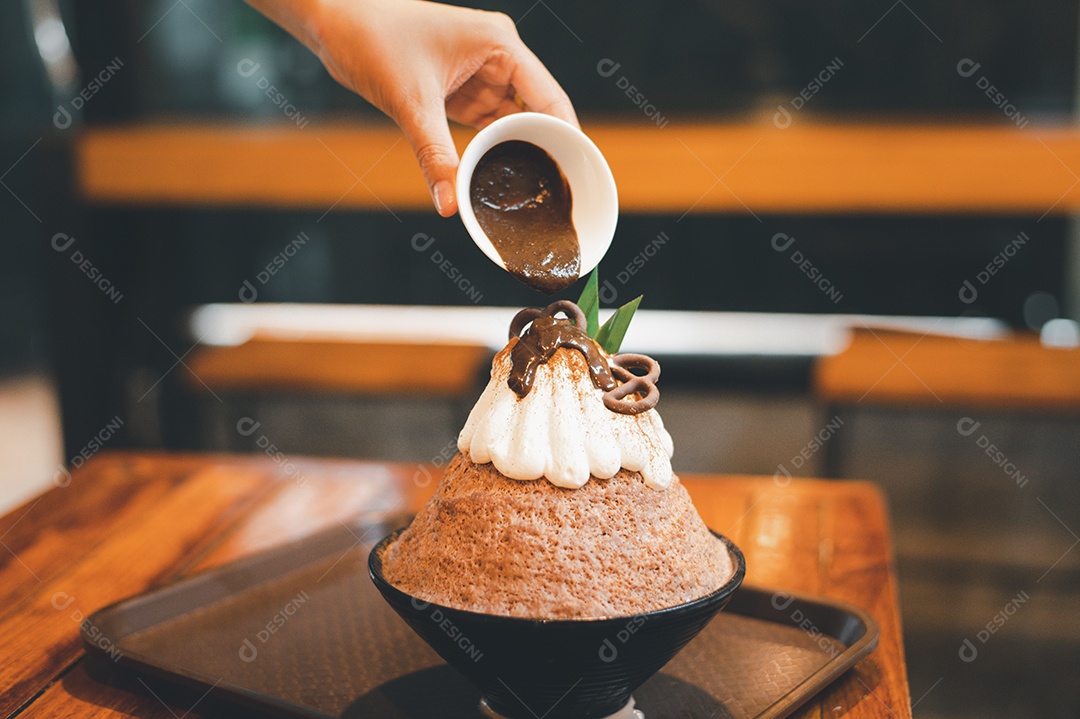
556,668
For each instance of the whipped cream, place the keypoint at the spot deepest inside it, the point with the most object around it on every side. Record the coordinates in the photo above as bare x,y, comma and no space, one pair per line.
561,429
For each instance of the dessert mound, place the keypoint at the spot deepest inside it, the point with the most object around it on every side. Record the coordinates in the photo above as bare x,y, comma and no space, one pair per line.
561,430
614,547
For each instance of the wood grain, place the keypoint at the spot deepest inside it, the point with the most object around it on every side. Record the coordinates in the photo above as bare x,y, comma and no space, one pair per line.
890,367
323,495
826,537
79,696
684,167
861,571
42,637
53,531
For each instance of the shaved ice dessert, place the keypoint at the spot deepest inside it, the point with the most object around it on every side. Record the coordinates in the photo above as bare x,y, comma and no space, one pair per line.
561,503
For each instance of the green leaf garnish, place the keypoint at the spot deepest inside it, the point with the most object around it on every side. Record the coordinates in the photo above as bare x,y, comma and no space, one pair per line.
589,302
610,336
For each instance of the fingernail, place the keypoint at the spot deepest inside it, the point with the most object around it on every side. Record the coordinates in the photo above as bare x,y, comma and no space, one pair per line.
443,194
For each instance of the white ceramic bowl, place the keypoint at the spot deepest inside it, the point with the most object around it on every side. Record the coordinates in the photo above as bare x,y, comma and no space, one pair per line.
592,186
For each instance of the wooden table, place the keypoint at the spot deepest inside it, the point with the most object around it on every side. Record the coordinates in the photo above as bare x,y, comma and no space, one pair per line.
126,522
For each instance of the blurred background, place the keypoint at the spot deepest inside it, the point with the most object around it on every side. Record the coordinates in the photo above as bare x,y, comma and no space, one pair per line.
853,226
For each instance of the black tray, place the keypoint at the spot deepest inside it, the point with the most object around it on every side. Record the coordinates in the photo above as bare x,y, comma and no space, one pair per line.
300,631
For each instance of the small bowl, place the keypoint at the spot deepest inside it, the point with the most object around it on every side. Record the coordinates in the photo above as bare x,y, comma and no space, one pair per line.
592,186
556,668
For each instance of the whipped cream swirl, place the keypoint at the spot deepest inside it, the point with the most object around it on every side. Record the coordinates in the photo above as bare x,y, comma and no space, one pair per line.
561,429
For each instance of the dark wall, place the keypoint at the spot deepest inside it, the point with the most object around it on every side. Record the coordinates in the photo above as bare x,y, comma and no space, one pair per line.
690,60
689,57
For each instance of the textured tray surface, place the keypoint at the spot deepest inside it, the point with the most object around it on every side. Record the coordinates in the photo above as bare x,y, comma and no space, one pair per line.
320,641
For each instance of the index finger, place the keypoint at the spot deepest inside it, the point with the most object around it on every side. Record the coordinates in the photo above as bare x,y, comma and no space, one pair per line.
539,90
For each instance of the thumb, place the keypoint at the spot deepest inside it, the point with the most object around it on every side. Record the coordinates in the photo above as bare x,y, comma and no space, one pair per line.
425,127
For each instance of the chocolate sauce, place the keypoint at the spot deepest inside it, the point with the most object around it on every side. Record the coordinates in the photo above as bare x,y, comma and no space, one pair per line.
624,391
538,345
523,203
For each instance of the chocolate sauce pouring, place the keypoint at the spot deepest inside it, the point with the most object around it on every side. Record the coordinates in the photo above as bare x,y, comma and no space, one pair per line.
523,203
548,333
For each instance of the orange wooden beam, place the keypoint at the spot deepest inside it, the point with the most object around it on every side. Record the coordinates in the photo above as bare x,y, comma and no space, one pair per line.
883,367
683,167
261,365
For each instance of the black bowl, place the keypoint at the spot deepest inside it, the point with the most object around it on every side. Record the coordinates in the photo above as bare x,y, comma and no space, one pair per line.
556,668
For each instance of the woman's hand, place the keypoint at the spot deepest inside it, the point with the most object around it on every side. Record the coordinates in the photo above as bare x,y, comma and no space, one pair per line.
421,63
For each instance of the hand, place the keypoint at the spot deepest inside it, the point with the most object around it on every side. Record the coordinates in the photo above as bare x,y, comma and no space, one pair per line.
423,62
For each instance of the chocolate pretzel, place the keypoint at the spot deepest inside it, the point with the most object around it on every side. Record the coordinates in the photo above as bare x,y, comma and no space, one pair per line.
641,388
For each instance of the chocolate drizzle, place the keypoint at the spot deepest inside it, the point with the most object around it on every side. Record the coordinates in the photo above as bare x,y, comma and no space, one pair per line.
547,333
